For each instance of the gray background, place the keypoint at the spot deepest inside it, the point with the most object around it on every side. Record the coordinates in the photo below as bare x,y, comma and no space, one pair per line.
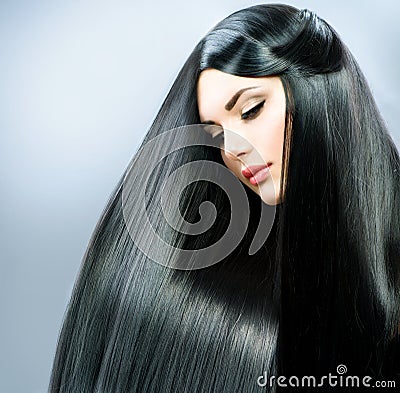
80,83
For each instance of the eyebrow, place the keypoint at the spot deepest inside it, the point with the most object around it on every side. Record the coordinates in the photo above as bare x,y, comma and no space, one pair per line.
232,102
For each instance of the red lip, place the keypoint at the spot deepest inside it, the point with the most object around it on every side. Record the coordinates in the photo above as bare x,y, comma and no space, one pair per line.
253,169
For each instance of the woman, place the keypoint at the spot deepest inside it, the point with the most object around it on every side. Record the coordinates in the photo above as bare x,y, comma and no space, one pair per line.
306,141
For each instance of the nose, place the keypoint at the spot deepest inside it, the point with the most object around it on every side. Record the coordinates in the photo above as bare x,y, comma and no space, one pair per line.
235,145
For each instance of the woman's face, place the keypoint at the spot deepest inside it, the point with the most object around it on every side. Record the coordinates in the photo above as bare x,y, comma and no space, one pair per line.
251,116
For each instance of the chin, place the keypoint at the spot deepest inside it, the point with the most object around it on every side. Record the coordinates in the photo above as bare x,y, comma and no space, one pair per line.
268,193
270,200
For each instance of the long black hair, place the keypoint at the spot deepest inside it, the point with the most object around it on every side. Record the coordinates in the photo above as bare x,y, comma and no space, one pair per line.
323,289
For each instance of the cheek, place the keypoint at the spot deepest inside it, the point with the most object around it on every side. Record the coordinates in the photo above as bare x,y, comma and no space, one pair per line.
277,140
226,160
230,164
270,143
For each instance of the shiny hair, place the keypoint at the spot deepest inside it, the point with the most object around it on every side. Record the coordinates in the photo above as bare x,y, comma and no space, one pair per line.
324,288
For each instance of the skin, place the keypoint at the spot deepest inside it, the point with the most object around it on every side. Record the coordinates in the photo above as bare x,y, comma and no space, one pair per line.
257,139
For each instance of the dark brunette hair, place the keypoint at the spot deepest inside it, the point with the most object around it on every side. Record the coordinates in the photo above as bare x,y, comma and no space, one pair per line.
324,288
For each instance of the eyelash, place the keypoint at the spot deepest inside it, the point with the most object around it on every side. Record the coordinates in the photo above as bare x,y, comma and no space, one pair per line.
250,114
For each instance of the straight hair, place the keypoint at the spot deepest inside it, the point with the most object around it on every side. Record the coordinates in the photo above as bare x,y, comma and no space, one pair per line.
324,288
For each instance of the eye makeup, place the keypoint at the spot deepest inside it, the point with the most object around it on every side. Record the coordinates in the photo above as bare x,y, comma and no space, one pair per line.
251,113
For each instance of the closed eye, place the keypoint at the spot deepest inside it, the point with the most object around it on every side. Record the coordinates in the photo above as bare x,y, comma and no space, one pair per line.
219,138
210,129
251,113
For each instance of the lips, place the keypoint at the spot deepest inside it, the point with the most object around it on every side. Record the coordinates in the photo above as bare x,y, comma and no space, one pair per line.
256,173
250,171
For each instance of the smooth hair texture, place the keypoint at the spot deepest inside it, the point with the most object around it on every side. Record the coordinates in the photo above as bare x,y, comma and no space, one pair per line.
323,290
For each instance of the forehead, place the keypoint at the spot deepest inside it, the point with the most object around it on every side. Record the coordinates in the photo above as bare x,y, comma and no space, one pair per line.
215,83
211,75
